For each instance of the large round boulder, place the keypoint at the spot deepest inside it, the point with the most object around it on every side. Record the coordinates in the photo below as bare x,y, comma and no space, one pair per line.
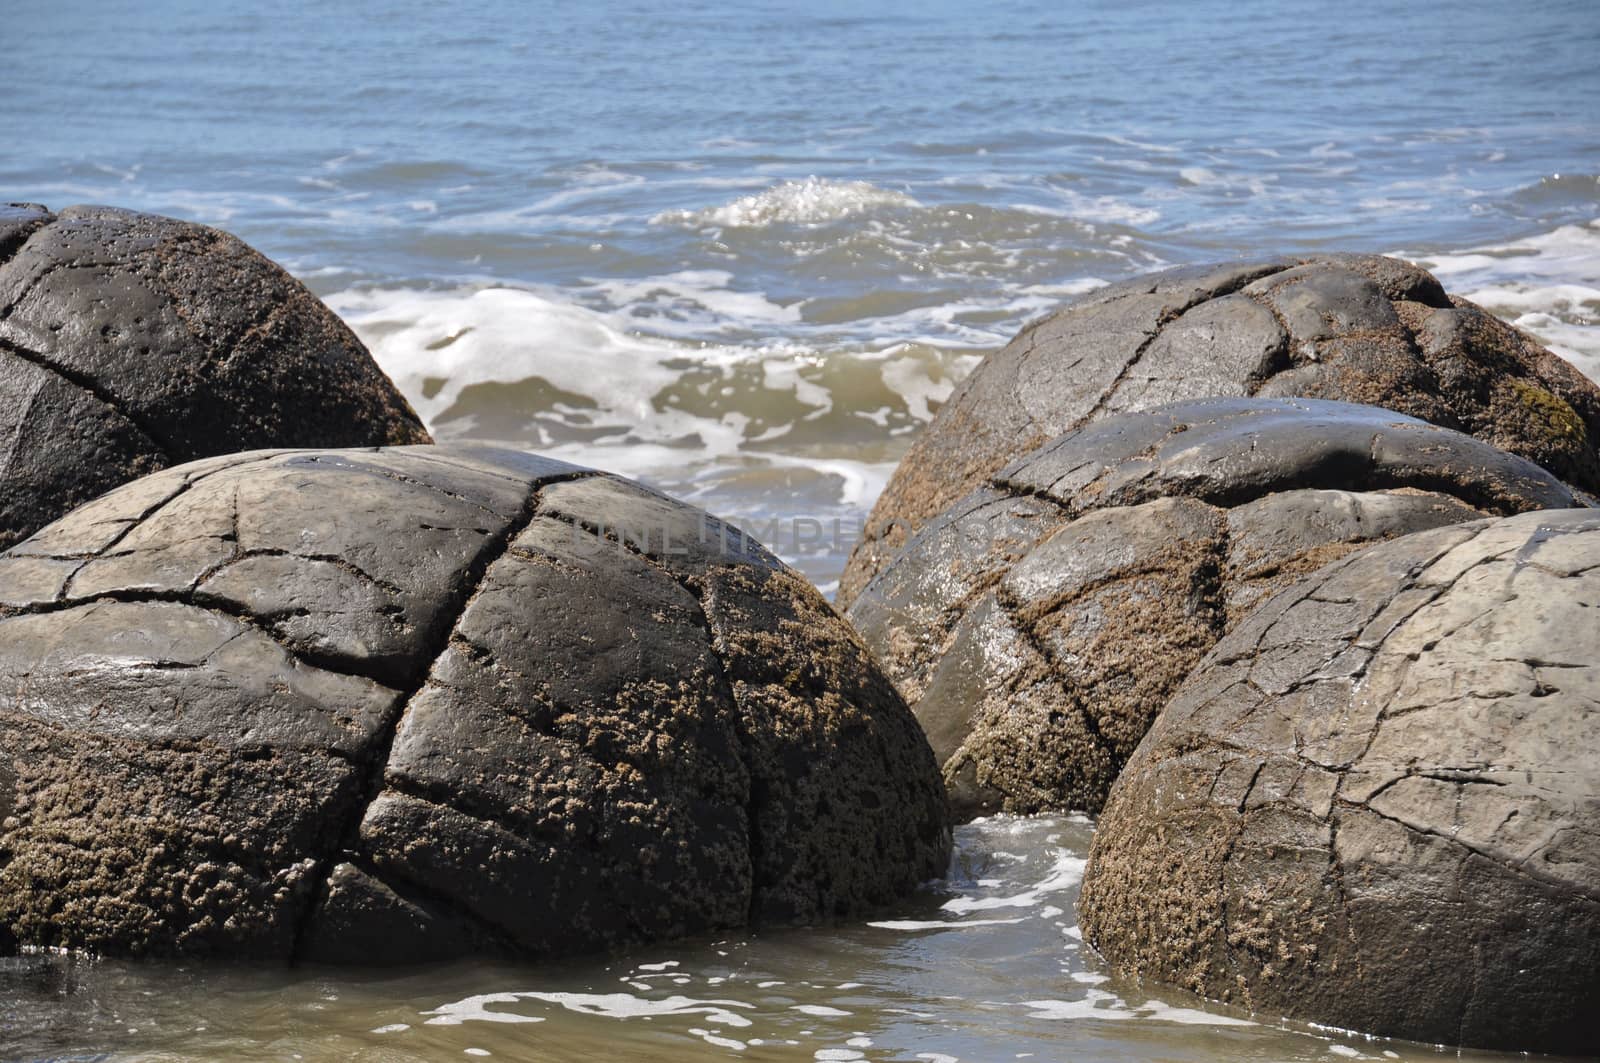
1039,625
1355,328
1377,804
130,343
404,703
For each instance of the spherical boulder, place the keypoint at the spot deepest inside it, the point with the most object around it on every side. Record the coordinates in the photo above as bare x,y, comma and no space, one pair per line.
1355,328
396,704
1039,625
1376,805
130,343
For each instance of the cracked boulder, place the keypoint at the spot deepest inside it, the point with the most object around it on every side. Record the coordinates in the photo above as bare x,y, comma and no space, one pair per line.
1376,805
1353,328
130,343
409,703
1039,625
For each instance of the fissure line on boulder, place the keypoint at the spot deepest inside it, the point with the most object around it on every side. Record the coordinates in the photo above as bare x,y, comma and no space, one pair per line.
189,482
1025,628
48,271
695,591
347,842
1524,867
215,605
1286,351
11,246
411,891
94,390
1166,319
341,563
413,481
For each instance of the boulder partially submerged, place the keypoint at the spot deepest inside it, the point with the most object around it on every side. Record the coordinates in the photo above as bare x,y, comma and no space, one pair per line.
131,342
398,704
1039,625
1376,805
1355,328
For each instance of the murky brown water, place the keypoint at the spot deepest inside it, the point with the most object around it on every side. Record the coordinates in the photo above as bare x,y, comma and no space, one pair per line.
985,966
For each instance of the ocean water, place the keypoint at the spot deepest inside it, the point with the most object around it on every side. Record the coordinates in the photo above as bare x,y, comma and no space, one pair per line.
743,252
986,966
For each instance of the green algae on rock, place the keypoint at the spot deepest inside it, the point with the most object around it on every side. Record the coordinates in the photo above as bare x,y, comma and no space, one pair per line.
1374,805
400,704
131,342
1039,624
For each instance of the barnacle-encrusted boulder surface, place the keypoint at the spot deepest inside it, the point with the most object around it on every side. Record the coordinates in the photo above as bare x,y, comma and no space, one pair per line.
1039,625
396,704
1377,804
1355,328
131,342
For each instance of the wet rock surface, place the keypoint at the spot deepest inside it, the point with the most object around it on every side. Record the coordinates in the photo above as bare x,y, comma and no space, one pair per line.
1354,328
1039,625
131,342
1376,805
400,704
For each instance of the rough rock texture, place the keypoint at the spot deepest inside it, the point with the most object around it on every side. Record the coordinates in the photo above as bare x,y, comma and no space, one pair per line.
1356,328
130,342
397,704
1377,803
1039,625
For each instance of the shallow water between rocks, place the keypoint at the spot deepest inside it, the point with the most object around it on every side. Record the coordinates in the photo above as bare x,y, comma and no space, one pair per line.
987,965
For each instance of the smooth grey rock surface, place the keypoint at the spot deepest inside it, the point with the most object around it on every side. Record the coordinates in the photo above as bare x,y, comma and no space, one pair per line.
1038,626
131,342
398,704
1376,804
1352,328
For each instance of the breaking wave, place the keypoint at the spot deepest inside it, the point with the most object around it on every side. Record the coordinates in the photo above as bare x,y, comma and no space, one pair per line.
809,201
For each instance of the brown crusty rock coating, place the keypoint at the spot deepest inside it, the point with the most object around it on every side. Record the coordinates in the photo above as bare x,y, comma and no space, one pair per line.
1038,626
1356,328
400,704
131,342
1376,805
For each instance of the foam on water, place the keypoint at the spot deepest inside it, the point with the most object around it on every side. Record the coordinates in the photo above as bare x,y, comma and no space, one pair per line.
820,1015
808,201
1548,283
1066,873
941,924
761,430
514,363
914,986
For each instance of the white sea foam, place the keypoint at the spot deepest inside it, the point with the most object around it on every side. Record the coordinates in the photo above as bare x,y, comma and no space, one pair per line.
476,1009
1548,284
1159,1012
1107,1006
608,1005
820,1010
941,924
810,201
1095,1004
712,1038
1108,210
1066,872
587,384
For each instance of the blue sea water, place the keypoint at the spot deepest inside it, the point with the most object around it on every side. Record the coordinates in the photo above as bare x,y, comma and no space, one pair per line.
743,251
